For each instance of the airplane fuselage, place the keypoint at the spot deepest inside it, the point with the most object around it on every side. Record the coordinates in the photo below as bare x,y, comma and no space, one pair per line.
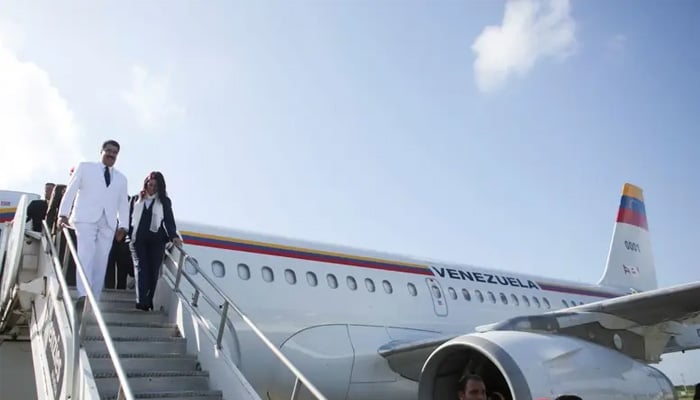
330,308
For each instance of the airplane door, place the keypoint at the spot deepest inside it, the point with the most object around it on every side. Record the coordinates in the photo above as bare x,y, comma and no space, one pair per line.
438,296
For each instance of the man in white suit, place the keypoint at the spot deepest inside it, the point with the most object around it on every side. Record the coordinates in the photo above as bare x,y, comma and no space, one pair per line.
98,194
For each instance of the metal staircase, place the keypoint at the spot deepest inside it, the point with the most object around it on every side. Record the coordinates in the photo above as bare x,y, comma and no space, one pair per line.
151,350
112,350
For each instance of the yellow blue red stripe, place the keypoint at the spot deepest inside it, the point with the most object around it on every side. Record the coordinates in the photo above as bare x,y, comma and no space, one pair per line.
573,290
256,247
7,214
632,209
250,246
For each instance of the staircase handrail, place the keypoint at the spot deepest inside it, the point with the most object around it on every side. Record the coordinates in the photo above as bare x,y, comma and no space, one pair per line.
125,391
222,310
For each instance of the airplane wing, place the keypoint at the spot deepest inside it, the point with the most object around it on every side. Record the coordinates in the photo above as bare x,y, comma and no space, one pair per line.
642,325
677,303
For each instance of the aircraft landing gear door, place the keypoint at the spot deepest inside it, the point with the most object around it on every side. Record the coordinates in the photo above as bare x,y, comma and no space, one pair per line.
438,296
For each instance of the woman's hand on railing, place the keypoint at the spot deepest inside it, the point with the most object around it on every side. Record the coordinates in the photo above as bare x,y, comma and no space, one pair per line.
63,222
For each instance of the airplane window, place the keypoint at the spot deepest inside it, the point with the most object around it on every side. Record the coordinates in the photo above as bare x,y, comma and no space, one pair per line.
515,299
267,274
565,303
243,272
573,303
291,276
581,303
504,299
412,289
332,281
311,279
352,284
492,297
387,287
546,302
453,294
526,300
479,295
536,301
466,295
369,284
217,268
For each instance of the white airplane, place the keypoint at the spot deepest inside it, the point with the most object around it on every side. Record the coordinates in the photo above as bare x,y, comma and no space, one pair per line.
367,325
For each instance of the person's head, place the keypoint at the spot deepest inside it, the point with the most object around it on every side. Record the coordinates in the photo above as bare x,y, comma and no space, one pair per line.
155,183
696,396
48,190
110,150
471,387
56,196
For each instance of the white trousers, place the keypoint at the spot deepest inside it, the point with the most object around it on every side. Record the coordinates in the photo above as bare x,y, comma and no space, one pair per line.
94,244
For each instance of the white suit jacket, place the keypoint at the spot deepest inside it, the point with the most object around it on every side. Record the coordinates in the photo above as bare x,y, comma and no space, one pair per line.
92,196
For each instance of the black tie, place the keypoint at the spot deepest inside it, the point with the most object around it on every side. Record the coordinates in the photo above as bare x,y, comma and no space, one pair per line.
107,177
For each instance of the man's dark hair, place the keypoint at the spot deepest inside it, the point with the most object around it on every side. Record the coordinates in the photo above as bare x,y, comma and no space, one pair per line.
112,142
462,382
697,392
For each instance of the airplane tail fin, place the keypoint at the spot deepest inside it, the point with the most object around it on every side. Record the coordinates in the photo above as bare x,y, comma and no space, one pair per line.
630,263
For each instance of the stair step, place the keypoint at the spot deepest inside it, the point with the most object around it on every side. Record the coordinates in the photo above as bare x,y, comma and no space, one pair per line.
175,395
130,316
153,382
101,363
117,329
109,294
161,345
117,304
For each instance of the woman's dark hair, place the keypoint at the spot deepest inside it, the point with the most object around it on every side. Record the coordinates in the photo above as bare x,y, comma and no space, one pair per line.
53,205
162,192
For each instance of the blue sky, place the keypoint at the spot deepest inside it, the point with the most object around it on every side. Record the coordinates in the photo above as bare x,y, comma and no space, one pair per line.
437,129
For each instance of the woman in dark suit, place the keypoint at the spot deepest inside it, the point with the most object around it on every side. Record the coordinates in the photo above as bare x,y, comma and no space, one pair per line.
151,226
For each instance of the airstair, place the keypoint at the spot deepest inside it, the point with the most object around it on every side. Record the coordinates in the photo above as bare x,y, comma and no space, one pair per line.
188,349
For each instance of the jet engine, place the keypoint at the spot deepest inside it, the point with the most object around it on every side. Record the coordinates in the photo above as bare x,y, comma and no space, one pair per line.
527,366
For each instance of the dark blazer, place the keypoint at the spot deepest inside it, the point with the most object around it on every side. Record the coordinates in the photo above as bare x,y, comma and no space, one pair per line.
168,229
36,212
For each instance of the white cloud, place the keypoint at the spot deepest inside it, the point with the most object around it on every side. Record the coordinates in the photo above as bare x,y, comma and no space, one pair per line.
531,30
38,129
151,99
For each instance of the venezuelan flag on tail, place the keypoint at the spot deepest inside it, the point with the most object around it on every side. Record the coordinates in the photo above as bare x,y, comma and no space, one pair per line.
630,263
632,207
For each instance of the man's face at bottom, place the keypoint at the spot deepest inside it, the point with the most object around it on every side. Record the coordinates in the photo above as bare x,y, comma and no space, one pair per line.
473,390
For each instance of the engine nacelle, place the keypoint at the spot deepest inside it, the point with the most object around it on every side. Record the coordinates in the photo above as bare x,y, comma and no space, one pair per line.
526,366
